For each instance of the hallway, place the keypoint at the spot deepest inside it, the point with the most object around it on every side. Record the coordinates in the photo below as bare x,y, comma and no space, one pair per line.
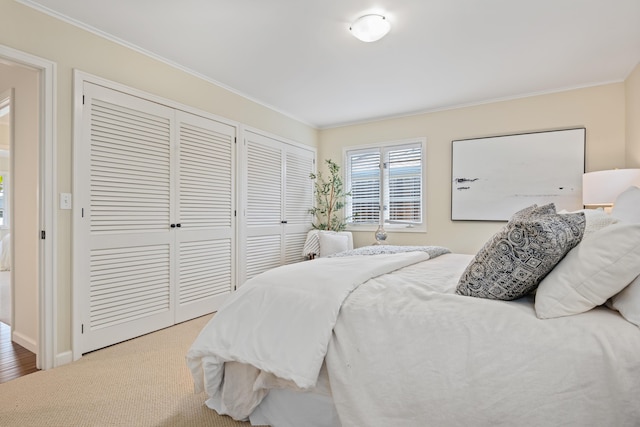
15,360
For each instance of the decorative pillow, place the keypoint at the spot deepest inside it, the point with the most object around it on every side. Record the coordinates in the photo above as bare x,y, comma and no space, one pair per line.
627,302
535,210
516,259
332,243
312,244
594,271
627,205
595,219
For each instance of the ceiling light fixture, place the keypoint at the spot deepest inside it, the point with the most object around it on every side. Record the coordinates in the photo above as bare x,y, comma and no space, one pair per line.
370,28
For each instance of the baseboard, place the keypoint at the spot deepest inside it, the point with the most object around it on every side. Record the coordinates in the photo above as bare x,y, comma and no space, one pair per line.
25,342
63,358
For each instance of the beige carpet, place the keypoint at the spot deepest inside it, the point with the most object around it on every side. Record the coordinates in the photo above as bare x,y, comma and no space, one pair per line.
142,382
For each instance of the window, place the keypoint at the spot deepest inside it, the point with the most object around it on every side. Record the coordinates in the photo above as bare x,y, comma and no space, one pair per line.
386,180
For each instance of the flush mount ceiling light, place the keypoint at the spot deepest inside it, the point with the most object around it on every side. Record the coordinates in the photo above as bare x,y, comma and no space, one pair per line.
370,28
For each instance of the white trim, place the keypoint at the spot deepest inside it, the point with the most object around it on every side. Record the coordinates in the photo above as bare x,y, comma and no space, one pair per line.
64,358
47,277
24,341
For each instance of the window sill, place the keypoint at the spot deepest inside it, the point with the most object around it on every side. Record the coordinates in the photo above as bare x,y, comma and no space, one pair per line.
389,228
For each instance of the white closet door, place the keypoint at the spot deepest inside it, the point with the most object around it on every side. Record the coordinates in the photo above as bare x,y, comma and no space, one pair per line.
298,199
263,209
205,222
278,194
125,196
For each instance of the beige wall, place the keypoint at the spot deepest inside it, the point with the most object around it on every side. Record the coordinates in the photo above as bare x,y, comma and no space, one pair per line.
69,47
24,218
599,109
632,92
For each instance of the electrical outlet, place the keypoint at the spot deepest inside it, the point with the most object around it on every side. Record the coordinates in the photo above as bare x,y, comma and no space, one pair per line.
65,200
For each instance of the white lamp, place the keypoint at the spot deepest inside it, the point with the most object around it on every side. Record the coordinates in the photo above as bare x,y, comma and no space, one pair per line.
603,187
369,28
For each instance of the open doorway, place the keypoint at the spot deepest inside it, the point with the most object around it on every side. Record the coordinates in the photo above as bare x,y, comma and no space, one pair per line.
19,158
5,207
36,326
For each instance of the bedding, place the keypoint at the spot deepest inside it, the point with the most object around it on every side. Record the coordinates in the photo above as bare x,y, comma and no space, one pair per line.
279,323
593,272
384,340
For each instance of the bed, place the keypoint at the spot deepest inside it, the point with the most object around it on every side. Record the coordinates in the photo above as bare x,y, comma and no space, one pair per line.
410,336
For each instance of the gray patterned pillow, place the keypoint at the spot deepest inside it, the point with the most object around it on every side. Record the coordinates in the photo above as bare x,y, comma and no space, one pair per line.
514,261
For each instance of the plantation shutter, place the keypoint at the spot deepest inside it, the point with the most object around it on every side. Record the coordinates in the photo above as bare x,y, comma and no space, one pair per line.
364,179
205,222
387,177
127,261
404,191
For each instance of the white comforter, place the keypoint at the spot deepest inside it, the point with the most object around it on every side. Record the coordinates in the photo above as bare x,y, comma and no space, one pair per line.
408,351
280,323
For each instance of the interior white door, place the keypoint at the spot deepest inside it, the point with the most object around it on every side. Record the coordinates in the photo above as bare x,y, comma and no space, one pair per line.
298,199
127,259
263,212
278,194
205,217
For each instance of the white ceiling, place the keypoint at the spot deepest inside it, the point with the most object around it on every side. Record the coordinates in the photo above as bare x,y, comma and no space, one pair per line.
298,57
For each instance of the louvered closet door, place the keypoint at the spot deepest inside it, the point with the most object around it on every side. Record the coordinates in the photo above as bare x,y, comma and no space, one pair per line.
205,270
262,246
125,194
278,194
298,199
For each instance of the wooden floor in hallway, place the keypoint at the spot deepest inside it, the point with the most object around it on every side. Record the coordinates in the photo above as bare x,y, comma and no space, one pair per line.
15,360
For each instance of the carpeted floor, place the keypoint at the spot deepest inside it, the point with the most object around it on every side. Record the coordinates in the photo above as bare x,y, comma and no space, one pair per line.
141,382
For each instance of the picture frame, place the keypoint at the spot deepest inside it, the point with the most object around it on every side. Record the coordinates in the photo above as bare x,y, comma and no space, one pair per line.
494,177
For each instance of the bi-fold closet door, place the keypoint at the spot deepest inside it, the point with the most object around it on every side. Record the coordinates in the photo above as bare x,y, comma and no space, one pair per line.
277,194
156,233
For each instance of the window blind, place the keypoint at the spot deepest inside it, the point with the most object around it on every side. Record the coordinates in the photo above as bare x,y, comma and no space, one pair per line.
389,176
405,184
364,177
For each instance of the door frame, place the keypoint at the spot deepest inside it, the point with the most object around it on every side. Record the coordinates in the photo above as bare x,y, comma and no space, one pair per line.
47,353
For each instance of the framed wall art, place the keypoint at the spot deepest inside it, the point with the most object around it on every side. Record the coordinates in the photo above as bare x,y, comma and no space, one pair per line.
494,177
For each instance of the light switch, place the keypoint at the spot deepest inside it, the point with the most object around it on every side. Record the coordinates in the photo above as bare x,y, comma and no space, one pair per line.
65,200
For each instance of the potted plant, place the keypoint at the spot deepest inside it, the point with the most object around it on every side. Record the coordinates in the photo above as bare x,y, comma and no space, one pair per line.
330,199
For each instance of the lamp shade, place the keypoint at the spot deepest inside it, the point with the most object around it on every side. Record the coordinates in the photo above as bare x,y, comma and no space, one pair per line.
369,28
603,187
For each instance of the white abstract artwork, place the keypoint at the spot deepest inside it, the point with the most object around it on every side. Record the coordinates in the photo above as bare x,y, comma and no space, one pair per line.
494,177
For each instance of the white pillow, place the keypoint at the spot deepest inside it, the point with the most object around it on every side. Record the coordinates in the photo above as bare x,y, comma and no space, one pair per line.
591,273
627,302
627,205
595,219
332,243
312,244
